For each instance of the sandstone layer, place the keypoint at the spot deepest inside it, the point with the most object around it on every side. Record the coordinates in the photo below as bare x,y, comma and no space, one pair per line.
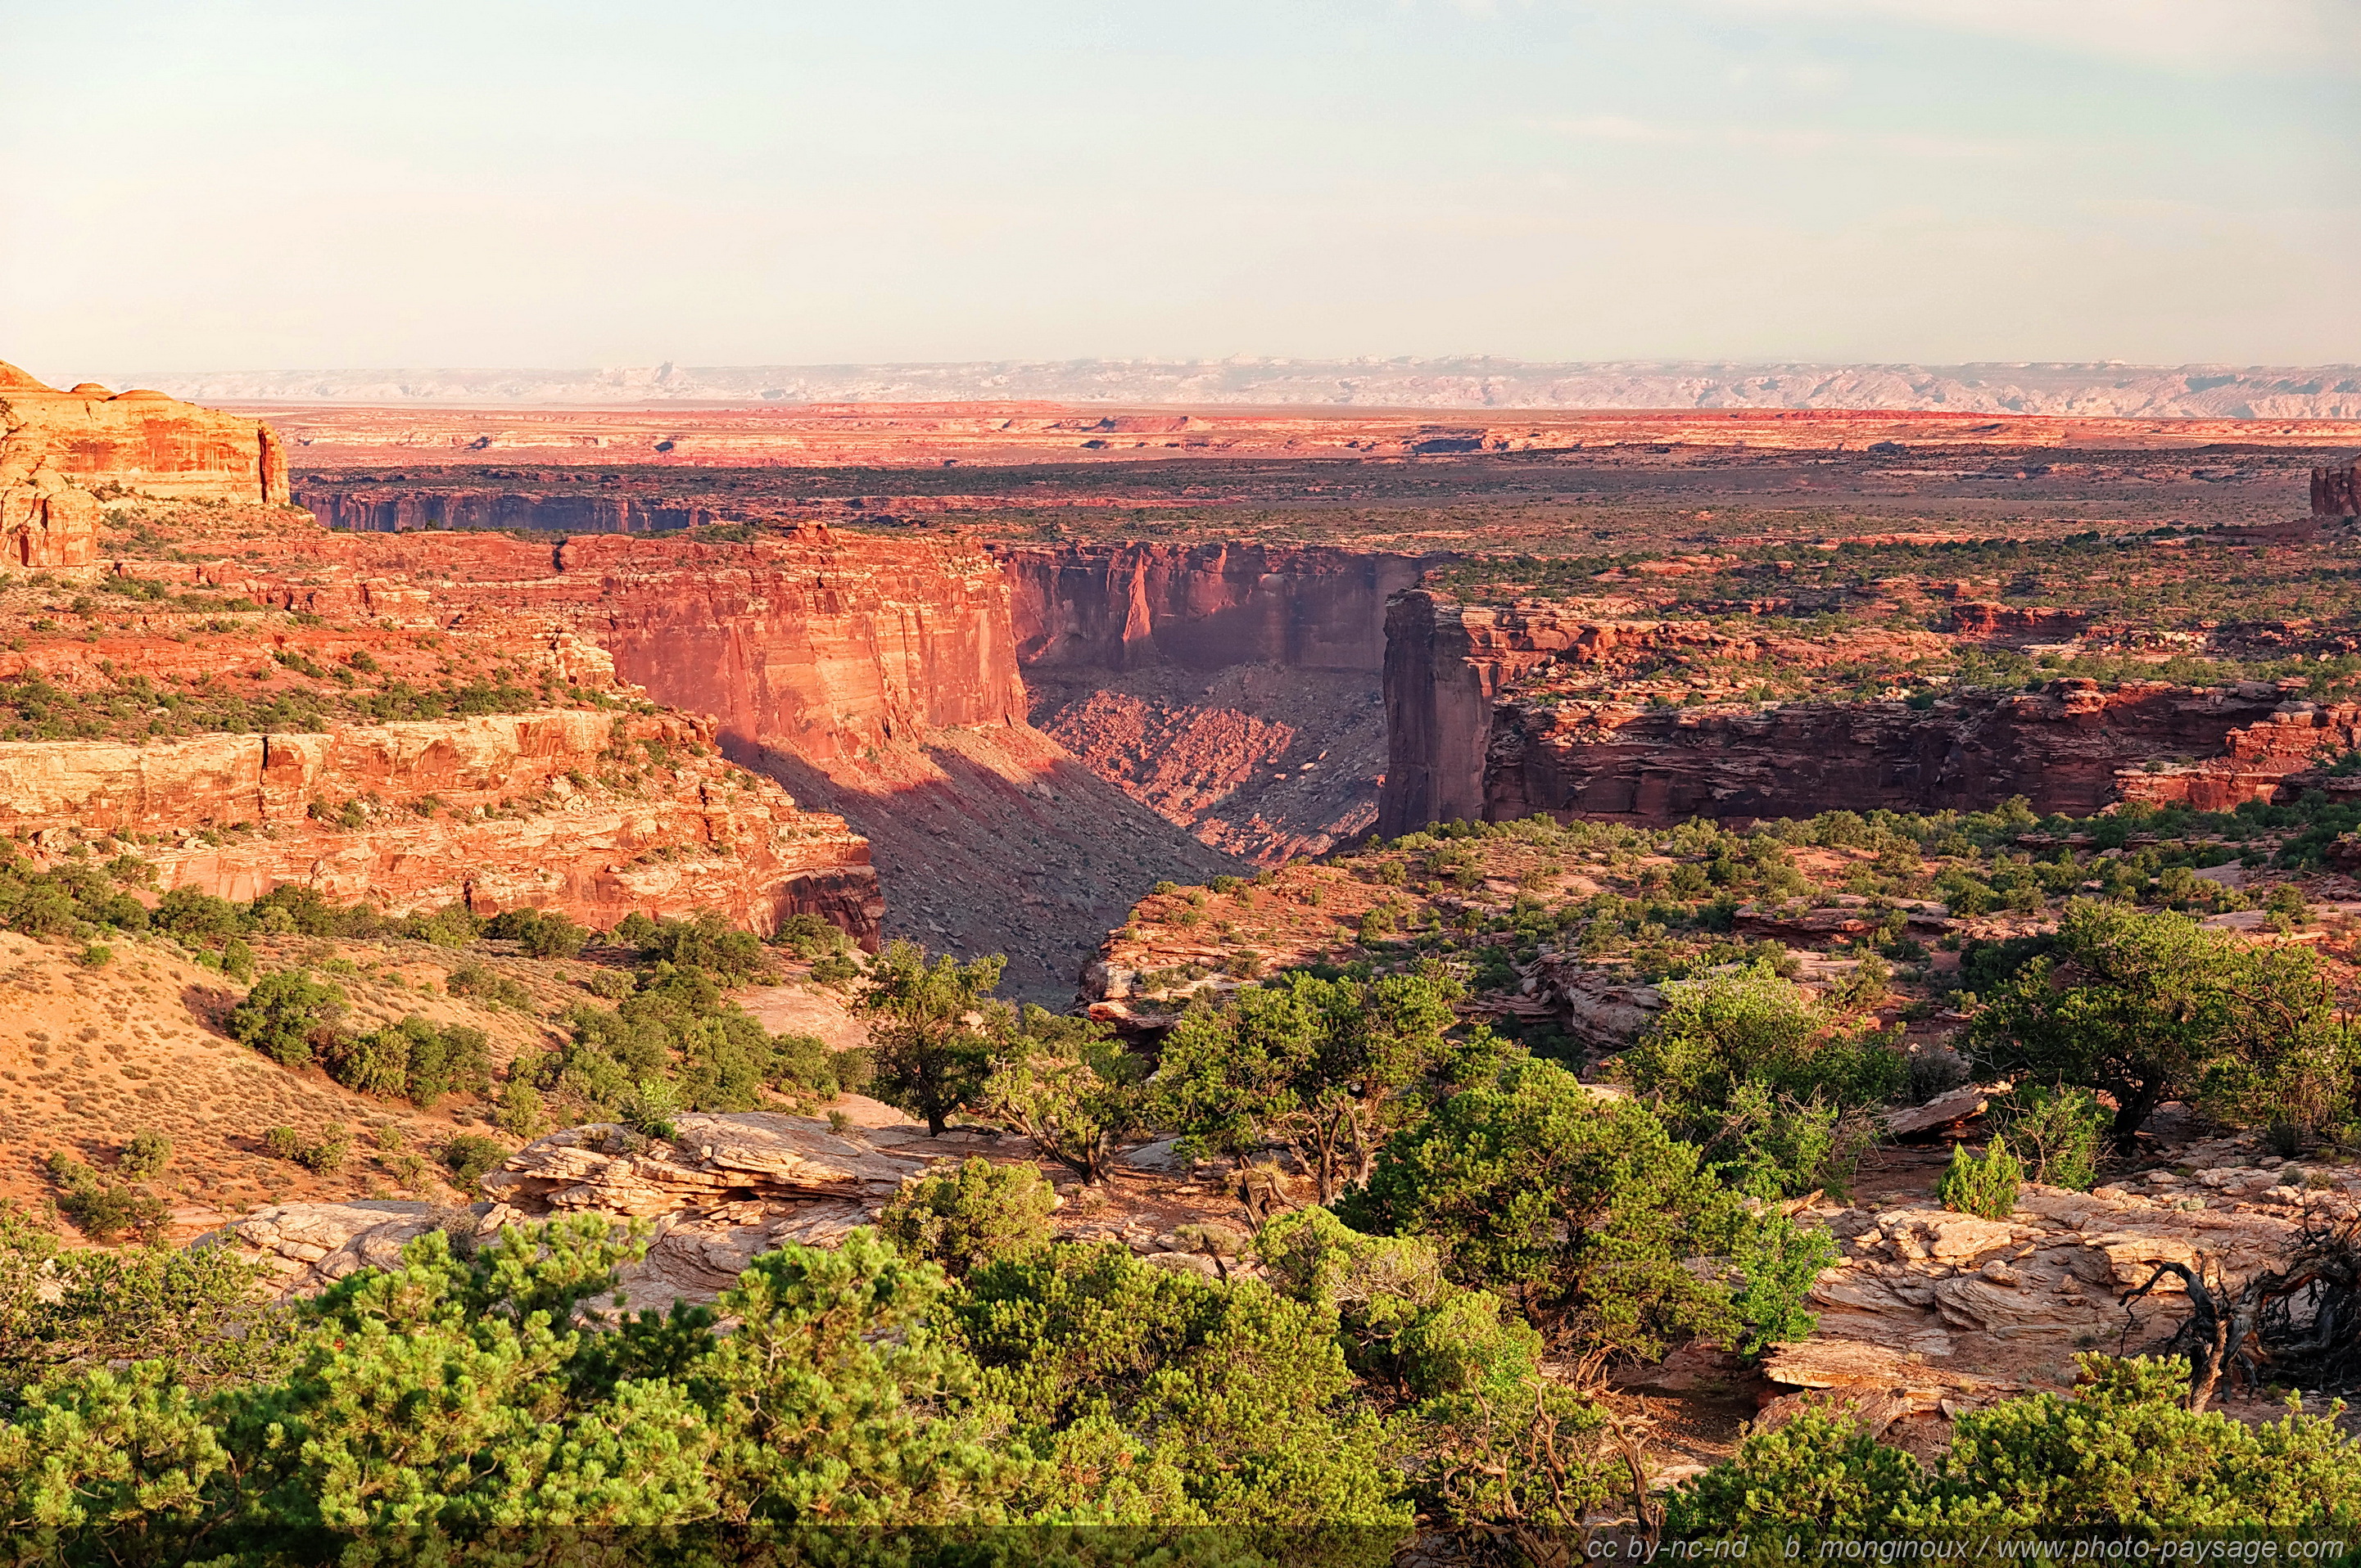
1232,688
874,677
1115,606
2273,761
57,448
558,809
1463,744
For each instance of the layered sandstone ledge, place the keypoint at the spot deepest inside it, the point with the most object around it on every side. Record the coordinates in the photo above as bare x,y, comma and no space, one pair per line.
59,448
1469,739
577,810
814,643
1205,607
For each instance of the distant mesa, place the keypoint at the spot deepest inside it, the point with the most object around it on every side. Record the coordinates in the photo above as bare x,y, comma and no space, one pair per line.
59,449
2056,390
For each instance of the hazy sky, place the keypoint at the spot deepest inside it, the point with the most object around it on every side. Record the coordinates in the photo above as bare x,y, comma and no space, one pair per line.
198,185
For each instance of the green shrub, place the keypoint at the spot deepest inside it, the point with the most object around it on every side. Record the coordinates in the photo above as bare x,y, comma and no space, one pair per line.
281,1142
481,983
926,1056
1330,1069
2123,1453
1582,1210
2057,1134
809,936
1217,1400
520,1114
102,1209
306,910
197,917
68,1312
468,1156
145,1156
705,939
1777,1261
453,926
1818,1475
542,934
977,1214
326,1156
1747,1067
1986,1187
611,985
2152,1007
285,1014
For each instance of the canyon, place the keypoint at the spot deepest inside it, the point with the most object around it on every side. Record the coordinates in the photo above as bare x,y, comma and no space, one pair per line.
992,707
1231,688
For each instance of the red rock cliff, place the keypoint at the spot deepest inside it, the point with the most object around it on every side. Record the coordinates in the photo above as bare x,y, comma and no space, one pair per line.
817,644
393,509
573,810
2265,761
2336,492
1462,744
57,447
1118,607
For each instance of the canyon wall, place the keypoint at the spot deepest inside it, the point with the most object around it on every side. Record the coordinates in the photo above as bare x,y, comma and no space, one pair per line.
577,810
1231,688
1204,607
874,677
1463,745
391,509
2269,761
811,642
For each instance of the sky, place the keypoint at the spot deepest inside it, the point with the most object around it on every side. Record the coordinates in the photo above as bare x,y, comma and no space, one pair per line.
210,184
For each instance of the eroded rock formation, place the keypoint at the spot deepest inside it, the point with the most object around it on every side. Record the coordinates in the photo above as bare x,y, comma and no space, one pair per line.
2267,761
393,509
1232,688
1464,744
2336,492
1205,607
58,447
558,809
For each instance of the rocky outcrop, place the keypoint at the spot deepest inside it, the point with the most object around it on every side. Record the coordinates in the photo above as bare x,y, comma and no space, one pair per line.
2267,761
811,642
57,448
720,1191
1205,607
577,810
2061,747
1980,621
2336,492
709,1161
1463,743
